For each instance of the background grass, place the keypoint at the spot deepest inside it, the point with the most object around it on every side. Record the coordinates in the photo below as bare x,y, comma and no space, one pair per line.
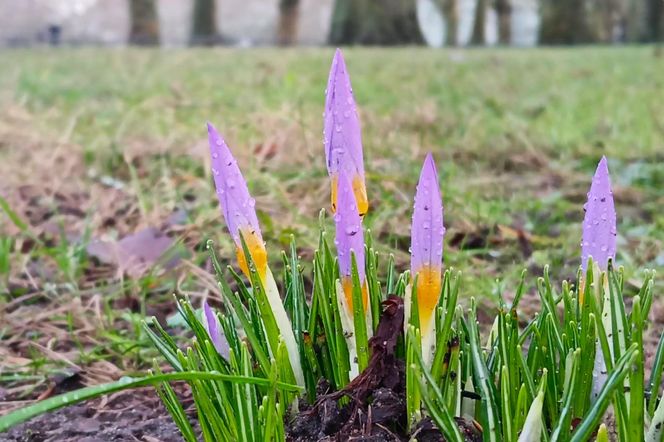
120,134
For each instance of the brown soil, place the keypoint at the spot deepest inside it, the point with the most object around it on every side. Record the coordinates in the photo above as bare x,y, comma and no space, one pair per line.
136,415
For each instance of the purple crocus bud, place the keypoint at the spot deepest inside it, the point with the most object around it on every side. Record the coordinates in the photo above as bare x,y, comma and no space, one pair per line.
599,223
213,328
427,233
237,205
349,238
342,136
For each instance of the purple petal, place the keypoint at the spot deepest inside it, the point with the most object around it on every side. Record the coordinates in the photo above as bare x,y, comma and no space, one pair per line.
427,229
212,326
599,223
237,205
349,235
341,132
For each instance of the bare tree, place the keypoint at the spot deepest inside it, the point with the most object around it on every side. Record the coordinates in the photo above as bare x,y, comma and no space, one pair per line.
144,28
479,25
289,12
504,12
374,22
204,23
451,12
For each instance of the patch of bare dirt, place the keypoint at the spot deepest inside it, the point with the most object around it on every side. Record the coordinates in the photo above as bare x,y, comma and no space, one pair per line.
136,415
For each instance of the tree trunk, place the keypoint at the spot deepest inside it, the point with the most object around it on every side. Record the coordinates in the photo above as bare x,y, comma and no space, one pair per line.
504,12
374,22
144,28
289,12
565,22
479,37
655,19
451,12
204,23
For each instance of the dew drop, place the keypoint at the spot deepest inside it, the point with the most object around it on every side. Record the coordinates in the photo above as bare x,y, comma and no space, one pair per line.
219,142
215,155
215,171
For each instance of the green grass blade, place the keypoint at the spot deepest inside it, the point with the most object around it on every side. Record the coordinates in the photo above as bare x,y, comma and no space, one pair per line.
656,376
490,417
614,384
359,319
63,400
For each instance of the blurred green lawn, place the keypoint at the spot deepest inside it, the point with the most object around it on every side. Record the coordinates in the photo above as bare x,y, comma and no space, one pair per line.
516,135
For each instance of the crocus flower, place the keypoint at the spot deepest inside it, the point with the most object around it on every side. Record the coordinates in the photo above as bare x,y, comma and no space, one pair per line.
349,240
341,135
599,242
599,223
213,327
238,208
237,205
426,257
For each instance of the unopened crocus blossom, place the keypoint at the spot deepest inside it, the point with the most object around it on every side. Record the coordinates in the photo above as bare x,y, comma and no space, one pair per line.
342,136
599,242
213,327
426,260
599,223
349,240
238,208
237,205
